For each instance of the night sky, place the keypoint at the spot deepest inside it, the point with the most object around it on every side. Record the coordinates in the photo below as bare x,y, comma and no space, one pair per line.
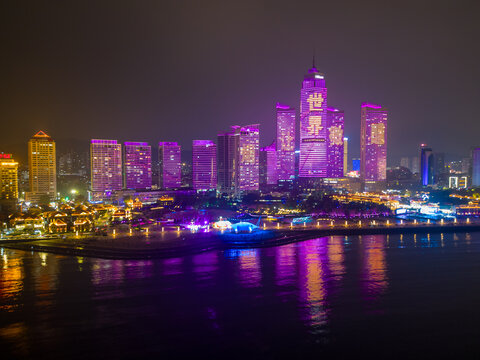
183,70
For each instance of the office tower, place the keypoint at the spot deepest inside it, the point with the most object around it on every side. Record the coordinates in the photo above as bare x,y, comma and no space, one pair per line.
137,159
345,156
106,168
285,142
475,153
43,168
8,177
335,142
427,165
466,165
415,165
170,166
405,162
356,164
227,148
204,163
268,165
313,126
248,158
373,144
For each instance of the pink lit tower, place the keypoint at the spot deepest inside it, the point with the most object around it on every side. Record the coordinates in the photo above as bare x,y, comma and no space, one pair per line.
335,142
248,156
285,142
313,126
169,159
204,163
106,168
137,165
373,143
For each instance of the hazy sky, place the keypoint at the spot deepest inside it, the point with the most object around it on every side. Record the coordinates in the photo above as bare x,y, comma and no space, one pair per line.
183,70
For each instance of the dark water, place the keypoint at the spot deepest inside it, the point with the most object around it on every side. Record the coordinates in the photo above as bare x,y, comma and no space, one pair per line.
334,297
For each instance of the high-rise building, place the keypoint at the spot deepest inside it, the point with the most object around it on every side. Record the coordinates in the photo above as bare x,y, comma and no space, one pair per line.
43,167
373,143
415,167
170,165
227,149
285,142
335,142
204,163
427,165
8,177
313,126
475,166
405,162
356,164
105,168
345,156
248,158
137,158
268,165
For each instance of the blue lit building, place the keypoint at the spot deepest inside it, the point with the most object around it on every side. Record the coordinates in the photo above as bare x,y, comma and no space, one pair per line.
427,165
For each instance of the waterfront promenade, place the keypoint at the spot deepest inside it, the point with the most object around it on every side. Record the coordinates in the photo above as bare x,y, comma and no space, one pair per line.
156,242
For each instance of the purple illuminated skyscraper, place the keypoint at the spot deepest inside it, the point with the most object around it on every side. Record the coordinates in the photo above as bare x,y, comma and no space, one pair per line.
227,149
313,126
170,166
268,165
106,167
137,165
285,142
204,163
373,150
335,142
248,158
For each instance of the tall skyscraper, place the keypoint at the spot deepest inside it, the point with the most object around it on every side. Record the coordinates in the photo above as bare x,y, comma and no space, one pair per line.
269,165
43,167
248,158
285,142
137,165
427,165
8,177
373,142
313,126
227,149
170,165
345,156
105,168
335,142
204,163
475,166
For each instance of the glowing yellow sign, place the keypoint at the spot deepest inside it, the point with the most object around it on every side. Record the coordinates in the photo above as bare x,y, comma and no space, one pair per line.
378,134
336,135
314,125
315,102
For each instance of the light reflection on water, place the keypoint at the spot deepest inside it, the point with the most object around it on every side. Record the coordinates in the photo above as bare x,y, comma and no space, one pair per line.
302,290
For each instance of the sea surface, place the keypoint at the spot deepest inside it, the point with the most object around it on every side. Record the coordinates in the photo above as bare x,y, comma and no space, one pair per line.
379,297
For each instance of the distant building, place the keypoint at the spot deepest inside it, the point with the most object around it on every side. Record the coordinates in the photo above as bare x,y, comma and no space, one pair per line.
345,156
248,158
42,167
268,165
137,165
313,126
8,177
415,166
106,168
170,166
285,142
405,162
335,142
427,166
475,166
373,142
227,153
356,164
204,163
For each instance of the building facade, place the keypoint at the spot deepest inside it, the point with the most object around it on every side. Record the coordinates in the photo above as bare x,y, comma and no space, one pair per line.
248,158
204,163
475,166
170,165
373,143
269,170
335,143
427,166
137,165
227,149
285,142
42,164
105,168
8,177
